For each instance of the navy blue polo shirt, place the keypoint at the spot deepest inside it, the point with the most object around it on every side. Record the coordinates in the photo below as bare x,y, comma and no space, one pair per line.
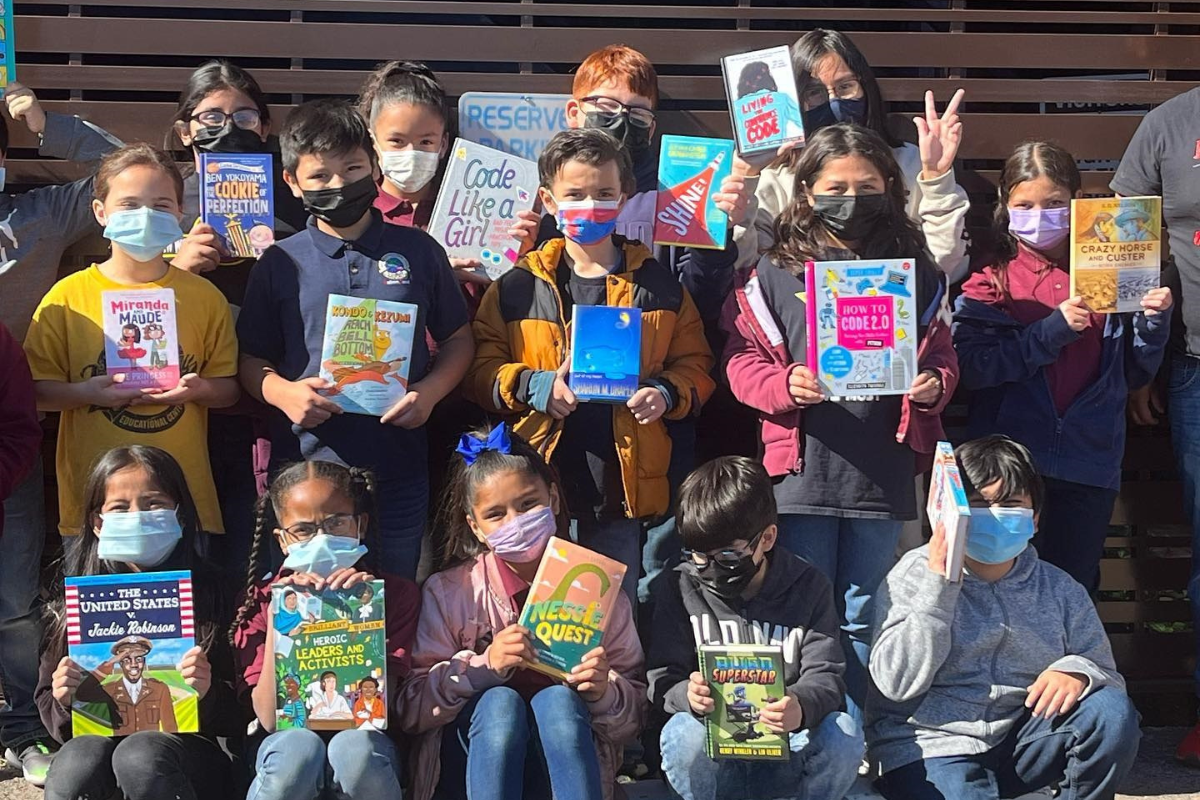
283,321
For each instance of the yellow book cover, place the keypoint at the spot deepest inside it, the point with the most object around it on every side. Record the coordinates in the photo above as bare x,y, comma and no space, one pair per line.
1116,251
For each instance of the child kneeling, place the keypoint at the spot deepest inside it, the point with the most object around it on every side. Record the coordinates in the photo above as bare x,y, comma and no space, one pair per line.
1002,682
733,587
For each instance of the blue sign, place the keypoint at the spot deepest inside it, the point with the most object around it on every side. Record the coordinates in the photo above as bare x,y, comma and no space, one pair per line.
515,123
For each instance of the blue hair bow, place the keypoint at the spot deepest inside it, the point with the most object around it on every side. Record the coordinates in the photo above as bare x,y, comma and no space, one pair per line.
469,447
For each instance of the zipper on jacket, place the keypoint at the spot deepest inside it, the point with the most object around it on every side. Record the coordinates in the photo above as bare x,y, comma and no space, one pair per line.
1000,646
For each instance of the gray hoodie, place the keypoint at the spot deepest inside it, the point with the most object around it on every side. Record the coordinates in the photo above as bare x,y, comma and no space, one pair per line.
36,227
951,661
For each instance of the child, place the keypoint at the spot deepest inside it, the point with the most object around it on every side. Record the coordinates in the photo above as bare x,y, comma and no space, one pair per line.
1051,707
843,467
347,249
321,514
138,193
486,726
613,459
735,586
138,516
1045,370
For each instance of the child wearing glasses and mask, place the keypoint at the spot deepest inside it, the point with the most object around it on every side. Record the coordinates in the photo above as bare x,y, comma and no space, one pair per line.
736,586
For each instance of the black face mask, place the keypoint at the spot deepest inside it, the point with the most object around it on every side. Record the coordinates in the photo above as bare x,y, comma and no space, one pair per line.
726,582
228,139
851,217
343,206
833,112
633,138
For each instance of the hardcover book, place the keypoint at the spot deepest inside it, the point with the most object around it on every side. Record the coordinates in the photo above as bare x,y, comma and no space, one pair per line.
129,633
690,171
367,352
141,338
1116,251
948,509
606,353
763,100
743,679
237,198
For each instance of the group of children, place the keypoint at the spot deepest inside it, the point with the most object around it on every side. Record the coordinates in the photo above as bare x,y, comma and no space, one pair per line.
1000,682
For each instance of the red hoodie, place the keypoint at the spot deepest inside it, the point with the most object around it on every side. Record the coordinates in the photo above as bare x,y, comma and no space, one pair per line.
20,432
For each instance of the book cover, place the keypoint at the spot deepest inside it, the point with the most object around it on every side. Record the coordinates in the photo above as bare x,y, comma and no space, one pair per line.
948,509
763,100
862,326
481,195
743,679
606,353
8,55
367,352
1116,251
690,171
237,198
569,603
129,633
141,338
330,657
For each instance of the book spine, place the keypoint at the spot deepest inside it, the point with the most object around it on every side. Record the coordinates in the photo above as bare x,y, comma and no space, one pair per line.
710,739
810,314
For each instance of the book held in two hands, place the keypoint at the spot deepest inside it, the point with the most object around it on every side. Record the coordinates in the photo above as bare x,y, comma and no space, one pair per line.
743,679
690,171
948,509
237,198
763,101
606,353
1116,251
141,337
367,352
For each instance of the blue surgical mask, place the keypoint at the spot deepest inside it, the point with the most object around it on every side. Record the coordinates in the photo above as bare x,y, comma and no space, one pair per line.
141,538
324,554
997,534
143,232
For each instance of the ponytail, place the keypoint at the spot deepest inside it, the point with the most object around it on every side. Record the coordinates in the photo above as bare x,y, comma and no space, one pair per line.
402,82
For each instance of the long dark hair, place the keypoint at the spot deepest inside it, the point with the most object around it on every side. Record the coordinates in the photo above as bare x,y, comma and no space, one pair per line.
356,484
1030,161
213,77
402,82
800,236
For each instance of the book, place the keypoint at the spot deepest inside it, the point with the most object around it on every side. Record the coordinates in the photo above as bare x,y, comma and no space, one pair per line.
330,657
569,605
237,198
862,325
8,50
141,338
948,509
129,633
1116,251
367,352
743,679
690,171
606,353
481,195
763,100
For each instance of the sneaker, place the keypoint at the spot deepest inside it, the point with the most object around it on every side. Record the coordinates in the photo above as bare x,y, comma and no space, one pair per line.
33,760
1189,749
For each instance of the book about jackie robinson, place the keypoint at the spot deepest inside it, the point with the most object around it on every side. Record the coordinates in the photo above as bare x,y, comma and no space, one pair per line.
129,634
141,338
862,325
948,509
569,603
743,679
763,100
690,171
367,352
237,198
330,657
481,195
606,353
1116,251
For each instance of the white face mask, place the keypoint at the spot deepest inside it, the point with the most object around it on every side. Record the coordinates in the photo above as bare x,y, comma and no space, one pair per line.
410,170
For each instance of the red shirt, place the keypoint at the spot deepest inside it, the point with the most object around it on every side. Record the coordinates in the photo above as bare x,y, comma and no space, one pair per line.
401,212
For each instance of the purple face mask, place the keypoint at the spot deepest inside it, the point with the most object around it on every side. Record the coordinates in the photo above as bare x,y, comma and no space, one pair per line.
1040,228
523,539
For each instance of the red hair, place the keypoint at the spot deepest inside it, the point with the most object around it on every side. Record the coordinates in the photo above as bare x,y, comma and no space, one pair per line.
618,64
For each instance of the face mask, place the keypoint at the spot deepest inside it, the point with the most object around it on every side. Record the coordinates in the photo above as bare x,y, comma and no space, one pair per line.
997,534
851,217
343,206
523,539
228,139
633,138
587,222
725,582
141,538
833,112
410,170
1040,227
324,554
143,232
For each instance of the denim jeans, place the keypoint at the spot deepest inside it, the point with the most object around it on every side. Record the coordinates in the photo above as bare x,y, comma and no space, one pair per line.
403,509
297,764
855,554
231,450
1087,752
148,765
1184,405
618,538
502,748
1072,528
660,553
20,623
823,765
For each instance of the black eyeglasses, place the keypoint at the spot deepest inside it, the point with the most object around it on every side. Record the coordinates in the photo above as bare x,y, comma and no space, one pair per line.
727,559
244,118
641,117
333,525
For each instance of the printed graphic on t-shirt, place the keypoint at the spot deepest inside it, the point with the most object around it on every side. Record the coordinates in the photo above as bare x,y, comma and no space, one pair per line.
707,630
128,419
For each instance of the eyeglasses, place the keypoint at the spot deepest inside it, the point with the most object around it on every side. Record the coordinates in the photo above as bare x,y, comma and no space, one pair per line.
333,525
727,559
641,117
817,94
244,118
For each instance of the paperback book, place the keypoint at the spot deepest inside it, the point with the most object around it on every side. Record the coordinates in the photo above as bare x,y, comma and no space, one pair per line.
763,100
948,509
367,352
237,198
743,679
8,58
606,353
1116,251
690,171
141,337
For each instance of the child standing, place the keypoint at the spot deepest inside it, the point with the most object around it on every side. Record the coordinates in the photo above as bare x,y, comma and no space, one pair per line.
1046,371
487,727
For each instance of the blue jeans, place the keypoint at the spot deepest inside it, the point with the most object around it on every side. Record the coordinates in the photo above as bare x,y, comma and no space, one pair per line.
1184,405
297,764
20,623
660,553
855,554
1072,528
823,765
502,748
620,539
1088,753
231,442
403,507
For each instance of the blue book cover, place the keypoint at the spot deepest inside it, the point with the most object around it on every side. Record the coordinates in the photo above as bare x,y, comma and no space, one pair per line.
606,353
763,100
367,352
128,634
237,198
690,171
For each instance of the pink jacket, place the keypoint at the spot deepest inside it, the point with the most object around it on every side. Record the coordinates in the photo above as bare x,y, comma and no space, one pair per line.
466,605
757,365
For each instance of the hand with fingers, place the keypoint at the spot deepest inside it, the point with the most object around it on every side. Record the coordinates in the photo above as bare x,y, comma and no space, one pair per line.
200,251
562,400
939,137
303,402
1055,693
511,648
67,677
699,695
590,676
803,386
23,104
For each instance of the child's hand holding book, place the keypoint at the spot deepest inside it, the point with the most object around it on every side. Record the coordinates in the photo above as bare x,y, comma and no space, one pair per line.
782,716
509,650
590,676
699,695
803,386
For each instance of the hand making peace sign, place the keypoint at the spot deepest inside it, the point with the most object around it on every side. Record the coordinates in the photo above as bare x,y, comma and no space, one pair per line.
939,138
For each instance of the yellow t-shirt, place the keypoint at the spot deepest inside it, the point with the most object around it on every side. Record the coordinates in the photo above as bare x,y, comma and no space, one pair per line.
66,343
